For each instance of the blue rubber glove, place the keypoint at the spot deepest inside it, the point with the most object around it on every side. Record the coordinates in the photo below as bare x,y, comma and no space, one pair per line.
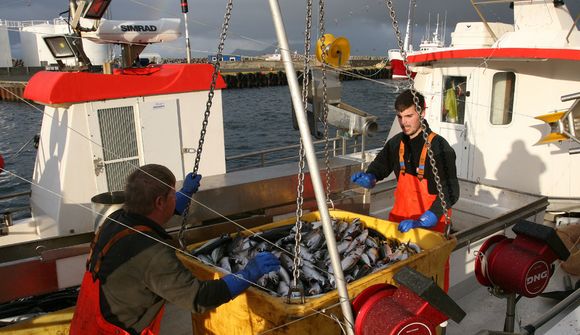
263,263
427,220
366,180
190,186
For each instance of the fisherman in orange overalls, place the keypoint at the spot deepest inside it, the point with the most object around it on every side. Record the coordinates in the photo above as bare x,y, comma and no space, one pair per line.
130,274
417,204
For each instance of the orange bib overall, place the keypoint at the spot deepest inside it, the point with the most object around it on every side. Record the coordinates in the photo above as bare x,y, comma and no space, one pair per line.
412,197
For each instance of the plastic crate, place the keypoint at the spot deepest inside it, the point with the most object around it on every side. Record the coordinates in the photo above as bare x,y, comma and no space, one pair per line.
256,311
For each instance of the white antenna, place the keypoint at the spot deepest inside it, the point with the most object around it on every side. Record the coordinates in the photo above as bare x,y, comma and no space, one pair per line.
436,32
445,28
408,43
428,28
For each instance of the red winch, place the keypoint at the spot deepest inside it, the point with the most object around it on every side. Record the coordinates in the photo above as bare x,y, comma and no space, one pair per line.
521,265
416,307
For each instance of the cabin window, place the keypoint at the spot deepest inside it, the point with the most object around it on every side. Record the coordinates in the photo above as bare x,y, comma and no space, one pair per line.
454,89
502,98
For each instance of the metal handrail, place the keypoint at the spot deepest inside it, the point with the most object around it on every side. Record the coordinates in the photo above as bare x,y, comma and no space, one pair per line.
15,210
6,214
262,153
271,150
263,162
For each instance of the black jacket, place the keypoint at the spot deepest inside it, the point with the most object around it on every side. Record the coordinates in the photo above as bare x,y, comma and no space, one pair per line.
387,161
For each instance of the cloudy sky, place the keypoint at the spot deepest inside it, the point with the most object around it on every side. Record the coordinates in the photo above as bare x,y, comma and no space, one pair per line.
366,23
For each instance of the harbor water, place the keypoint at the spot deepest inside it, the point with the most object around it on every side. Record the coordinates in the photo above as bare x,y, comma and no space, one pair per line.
254,119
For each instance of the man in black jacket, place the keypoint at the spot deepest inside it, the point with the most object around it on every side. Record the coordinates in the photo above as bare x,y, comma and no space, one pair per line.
417,202
132,271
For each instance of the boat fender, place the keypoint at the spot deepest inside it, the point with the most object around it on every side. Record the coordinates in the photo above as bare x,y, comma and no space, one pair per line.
1,163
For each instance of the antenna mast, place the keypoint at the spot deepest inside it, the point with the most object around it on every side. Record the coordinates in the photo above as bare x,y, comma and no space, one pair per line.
409,33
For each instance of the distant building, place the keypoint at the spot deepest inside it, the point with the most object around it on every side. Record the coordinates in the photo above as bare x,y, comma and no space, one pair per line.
5,54
150,58
273,57
276,56
225,58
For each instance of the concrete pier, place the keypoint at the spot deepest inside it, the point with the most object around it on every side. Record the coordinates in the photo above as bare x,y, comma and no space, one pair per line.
11,90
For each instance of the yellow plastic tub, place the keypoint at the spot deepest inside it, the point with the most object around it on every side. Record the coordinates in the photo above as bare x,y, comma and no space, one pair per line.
256,311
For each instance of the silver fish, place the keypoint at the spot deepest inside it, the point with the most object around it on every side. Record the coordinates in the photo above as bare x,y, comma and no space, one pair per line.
313,239
287,262
373,255
372,242
342,246
341,227
359,240
314,288
366,259
305,254
415,247
352,258
283,288
208,246
218,253
284,275
352,229
312,275
224,263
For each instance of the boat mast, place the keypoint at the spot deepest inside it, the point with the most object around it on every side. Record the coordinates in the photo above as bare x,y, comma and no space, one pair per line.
409,33
444,30
312,165
184,10
436,33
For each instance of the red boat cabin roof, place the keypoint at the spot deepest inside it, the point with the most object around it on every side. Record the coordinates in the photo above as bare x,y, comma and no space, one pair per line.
51,88
497,53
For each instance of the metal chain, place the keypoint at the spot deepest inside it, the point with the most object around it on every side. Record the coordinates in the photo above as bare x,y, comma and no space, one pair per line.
300,187
419,108
324,101
216,69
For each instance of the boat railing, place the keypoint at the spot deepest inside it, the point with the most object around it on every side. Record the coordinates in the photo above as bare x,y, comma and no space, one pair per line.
262,158
7,215
28,23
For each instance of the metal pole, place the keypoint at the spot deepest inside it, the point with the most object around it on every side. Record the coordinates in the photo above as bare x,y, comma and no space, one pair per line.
312,164
550,314
484,21
510,313
184,10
